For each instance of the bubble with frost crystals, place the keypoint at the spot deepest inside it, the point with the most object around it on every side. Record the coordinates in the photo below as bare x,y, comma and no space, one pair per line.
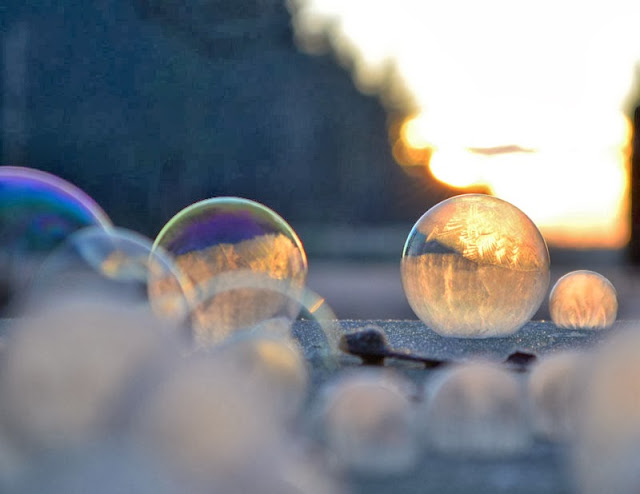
67,372
225,241
475,266
37,212
583,299
476,409
607,451
555,388
369,423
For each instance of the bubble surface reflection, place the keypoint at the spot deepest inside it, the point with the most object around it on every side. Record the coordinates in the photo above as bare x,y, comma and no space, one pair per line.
475,266
38,211
228,241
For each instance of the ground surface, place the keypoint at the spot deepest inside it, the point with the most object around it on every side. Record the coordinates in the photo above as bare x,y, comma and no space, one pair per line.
542,469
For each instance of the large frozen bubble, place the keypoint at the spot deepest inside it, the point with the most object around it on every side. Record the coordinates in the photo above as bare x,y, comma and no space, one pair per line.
38,211
475,266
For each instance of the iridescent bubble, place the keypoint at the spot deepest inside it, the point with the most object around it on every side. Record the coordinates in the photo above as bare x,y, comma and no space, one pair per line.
475,266
476,409
369,423
114,264
583,300
226,248
37,212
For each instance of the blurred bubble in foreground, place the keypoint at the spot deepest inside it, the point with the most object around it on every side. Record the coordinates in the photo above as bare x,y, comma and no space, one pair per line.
114,264
583,300
475,266
476,409
69,371
369,423
556,388
273,367
202,423
225,242
38,211
607,451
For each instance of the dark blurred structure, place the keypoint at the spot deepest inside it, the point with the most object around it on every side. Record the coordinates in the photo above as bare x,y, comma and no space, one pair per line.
151,105
634,244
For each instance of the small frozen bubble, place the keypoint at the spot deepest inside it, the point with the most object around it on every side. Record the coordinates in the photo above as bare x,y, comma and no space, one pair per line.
369,423
476,409
201,423
607,450
110,263
556,388
583,300
230,235
475,266
66,372
38,211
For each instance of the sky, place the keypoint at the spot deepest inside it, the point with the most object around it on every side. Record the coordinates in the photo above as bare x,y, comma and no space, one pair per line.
515,96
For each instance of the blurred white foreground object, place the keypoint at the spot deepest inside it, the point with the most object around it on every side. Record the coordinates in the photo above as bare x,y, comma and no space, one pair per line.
476,409
369,423
556,386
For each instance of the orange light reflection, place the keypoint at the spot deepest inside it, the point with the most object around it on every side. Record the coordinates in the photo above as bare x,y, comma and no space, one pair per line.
576,194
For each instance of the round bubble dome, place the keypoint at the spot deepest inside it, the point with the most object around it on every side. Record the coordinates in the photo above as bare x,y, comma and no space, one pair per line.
475,266
583,299
38,211
109,264
243,264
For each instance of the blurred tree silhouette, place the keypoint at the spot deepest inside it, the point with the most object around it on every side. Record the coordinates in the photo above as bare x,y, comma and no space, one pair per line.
154,104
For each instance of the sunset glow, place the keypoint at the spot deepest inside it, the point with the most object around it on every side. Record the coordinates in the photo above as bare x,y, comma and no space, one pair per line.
525,100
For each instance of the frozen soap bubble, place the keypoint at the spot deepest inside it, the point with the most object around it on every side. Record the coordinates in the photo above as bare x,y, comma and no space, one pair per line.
227,242
583,300
37,212
475,266
476,409
369,423
115,264
556,388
